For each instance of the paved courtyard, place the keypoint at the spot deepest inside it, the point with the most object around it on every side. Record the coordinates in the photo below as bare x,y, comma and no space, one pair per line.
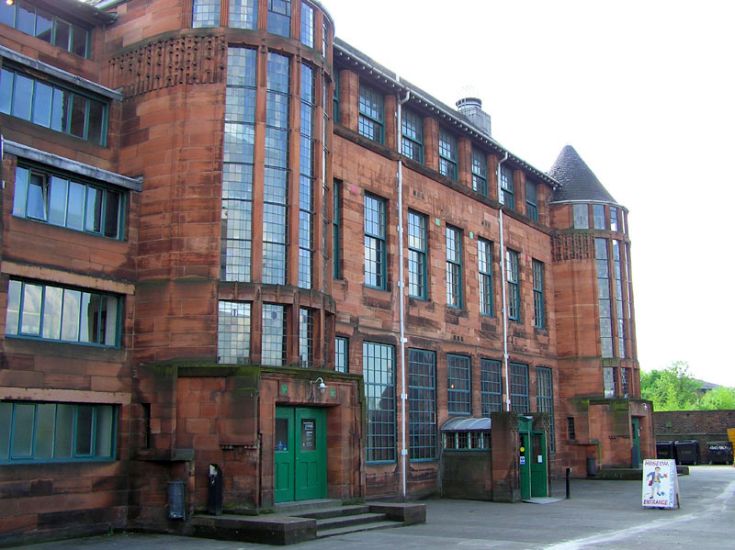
600,514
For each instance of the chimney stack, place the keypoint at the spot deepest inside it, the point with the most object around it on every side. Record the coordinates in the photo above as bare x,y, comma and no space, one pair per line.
471,108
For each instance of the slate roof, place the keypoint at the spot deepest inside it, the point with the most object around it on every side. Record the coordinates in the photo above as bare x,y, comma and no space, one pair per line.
576,181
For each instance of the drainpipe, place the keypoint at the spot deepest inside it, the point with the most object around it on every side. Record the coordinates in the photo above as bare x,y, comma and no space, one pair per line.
402,298
504,290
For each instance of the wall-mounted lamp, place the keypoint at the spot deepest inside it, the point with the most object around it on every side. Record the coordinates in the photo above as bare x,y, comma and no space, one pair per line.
322,385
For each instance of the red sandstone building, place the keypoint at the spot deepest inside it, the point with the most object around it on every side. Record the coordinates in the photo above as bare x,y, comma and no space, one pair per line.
230,239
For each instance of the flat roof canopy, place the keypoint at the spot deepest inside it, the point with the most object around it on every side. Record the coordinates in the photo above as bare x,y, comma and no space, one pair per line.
464,424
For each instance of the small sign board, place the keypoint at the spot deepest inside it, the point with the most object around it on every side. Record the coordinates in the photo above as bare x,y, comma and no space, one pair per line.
660,484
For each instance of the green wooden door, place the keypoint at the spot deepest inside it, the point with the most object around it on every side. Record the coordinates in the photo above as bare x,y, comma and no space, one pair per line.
539,469
524,456
300,449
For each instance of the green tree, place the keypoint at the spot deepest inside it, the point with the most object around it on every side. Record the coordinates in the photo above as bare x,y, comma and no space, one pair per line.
671,389
719,398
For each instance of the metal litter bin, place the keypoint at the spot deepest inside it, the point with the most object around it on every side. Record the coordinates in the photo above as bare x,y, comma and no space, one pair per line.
687,451
719,452
665,450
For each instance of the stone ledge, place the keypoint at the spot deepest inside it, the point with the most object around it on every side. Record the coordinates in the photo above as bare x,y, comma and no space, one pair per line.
277,530
408,513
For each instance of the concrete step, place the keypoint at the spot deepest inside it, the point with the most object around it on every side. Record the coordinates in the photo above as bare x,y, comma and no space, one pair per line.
347,521
322,533
296,508
336,511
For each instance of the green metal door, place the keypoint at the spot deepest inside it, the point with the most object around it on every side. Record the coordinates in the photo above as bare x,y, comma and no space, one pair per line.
539,469
636,449
300,449
524,455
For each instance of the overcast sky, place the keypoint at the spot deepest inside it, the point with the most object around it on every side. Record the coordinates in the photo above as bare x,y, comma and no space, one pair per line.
644,91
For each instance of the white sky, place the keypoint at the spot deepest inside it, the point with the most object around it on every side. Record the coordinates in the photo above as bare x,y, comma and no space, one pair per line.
644,91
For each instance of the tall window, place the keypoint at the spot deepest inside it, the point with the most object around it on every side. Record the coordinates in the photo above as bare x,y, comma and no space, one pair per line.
422,404
507,188
337,229
459,390
447,155
52,198
514,285
51,312
306,178
454,266
603,292
625,381
618,278
609,382
306,337
273,342
545,398
519,388
485,269
380,391
417,249
53,106
598,216
275,188
307,25
341,354
580,214
205,13
370,121
56,432
539,307
412,144
375,250
531,201
237,167
279,17
243,14
479,172
335,98
233,332
613,218
37,22
491,386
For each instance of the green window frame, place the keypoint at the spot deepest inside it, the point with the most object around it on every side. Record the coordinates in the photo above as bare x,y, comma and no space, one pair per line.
514,285
375,245
417,255
233,332
412,136
485,271
371,114
447,155
454,267
53,106
38,432
479,172
507,188
459,385
56,199
273,335
532,200
341,354
57,313
337,229
545,399
539,305
519,401
422,428
279,17
378,367
491,386
35,21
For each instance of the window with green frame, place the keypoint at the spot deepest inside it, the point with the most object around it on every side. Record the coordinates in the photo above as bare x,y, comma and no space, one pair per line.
491,386
341,354
417,252
507,188
514,285
56,432
46,26
545,398
454,266
335,98
539,306
370,120
519,400
306,337
412,143
422,405
447,155
375,246
479,172
459,385
378,368
52,106
531,200
52,312
51,197
337,229
485,270
233,332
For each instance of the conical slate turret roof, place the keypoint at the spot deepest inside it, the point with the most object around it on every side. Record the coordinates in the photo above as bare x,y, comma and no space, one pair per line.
577,181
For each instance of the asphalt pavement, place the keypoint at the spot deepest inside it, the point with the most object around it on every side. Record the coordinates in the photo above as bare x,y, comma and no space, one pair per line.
599,514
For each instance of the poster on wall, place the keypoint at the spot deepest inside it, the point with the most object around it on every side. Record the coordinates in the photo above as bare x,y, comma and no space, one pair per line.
660,484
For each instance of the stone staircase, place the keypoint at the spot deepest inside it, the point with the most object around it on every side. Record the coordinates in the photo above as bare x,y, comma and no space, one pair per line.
348,519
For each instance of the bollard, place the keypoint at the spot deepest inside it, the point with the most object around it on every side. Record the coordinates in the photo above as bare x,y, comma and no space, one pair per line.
569,471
